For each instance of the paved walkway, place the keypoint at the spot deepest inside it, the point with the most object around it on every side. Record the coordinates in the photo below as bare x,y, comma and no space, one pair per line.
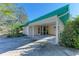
41,48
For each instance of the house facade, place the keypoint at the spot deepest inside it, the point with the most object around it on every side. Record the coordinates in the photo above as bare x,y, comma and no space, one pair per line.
51,24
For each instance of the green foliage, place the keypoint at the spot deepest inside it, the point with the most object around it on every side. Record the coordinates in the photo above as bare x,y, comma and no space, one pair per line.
70,35
12,17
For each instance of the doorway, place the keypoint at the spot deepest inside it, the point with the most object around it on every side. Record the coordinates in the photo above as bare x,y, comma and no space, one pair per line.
43,30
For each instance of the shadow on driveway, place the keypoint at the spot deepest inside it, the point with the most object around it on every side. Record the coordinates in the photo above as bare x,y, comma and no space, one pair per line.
7,44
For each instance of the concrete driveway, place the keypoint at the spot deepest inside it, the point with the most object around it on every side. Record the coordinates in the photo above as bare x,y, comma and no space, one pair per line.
41,48
7,44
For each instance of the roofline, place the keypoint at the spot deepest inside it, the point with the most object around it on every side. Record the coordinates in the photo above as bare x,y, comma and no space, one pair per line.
53,13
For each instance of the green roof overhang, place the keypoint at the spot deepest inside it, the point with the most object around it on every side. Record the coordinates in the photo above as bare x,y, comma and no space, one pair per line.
57,12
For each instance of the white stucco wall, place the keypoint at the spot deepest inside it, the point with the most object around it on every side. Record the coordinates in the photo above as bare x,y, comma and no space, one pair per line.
52,29
26,30
61,26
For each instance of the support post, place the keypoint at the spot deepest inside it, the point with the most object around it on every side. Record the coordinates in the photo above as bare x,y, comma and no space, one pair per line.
27,30
57,40
33,31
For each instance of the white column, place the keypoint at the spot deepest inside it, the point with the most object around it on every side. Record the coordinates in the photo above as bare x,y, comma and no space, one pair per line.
27,30
39,30
33,30
36,30
57,31
42,30
30,30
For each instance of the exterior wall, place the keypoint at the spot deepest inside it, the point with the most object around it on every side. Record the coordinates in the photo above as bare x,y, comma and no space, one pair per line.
36,30
31,30
52,29
26,30
61,27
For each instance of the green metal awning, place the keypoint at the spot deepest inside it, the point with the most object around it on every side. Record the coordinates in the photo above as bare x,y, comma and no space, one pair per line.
57,12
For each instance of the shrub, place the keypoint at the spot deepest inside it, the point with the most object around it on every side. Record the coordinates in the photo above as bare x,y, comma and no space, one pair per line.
70,36
16,30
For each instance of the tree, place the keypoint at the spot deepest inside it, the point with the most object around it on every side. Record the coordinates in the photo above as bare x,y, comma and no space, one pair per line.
12,17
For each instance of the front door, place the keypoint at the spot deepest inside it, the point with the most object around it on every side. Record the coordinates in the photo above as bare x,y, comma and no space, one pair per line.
43,30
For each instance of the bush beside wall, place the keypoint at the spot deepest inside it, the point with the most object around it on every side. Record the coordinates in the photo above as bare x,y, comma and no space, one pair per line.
70,36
